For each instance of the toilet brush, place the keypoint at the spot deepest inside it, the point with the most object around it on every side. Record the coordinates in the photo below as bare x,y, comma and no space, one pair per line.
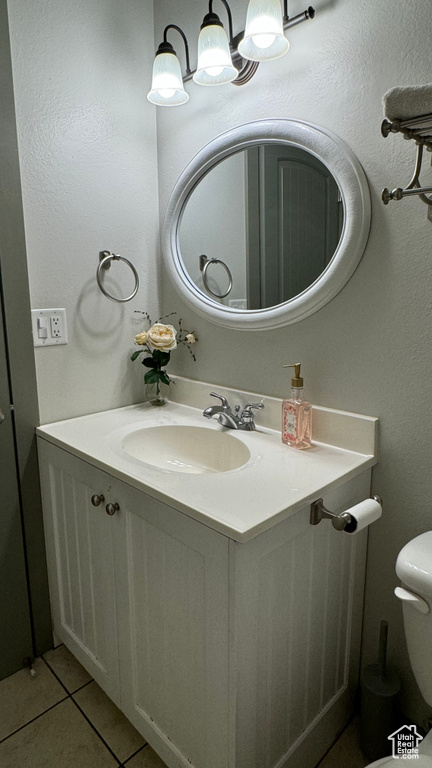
379,688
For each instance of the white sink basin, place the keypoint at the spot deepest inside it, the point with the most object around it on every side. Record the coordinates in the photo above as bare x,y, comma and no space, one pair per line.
195,450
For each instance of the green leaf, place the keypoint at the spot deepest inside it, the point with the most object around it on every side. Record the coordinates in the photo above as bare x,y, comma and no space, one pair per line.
165,378
151,377
162,357
135,354
150,363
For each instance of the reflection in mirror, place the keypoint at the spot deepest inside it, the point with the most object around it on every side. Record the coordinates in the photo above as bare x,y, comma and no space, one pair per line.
277,223
272,214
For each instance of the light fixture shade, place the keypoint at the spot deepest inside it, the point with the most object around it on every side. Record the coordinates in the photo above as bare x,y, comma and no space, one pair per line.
215,65
167,84
264,37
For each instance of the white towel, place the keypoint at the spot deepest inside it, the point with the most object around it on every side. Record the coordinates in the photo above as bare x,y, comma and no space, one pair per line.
406,103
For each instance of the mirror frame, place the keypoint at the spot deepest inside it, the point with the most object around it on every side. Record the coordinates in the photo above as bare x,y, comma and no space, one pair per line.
351,180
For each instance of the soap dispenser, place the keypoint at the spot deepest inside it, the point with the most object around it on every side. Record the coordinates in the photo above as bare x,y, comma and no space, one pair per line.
296,414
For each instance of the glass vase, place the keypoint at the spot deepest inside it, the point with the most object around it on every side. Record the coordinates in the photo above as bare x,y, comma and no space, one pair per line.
157,393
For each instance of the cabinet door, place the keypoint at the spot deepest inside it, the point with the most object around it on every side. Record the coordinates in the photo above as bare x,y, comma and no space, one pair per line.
173,630
80,562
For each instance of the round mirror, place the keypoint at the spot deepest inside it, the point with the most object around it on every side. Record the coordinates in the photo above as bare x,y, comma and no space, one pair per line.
267,224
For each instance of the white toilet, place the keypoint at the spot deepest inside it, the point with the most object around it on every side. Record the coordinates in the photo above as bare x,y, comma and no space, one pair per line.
414,568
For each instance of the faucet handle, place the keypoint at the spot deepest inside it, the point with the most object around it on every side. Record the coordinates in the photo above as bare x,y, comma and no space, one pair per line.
247,417
223,400
248,408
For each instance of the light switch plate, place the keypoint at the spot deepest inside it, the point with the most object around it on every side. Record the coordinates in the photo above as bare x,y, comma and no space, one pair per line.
49,327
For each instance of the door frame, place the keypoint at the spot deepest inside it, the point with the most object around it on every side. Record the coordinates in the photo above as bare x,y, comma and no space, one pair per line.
19,343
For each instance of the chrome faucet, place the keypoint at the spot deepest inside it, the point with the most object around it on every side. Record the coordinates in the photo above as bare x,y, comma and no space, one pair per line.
244,420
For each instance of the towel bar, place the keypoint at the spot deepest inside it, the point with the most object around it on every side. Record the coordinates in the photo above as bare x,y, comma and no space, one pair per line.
105,259
420,129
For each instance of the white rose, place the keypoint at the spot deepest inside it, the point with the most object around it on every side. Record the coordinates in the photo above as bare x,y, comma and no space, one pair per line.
190,338
141,338
162,337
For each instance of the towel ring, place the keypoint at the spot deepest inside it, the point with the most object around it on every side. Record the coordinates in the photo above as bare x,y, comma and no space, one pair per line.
105,264
205,267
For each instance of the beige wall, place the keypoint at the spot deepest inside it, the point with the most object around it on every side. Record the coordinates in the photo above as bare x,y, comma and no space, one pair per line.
369,350
87,140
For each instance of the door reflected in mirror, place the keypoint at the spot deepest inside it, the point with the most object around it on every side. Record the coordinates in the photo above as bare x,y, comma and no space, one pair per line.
272,214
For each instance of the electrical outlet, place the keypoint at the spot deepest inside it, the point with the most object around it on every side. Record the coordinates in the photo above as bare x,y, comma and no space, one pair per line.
49,327
56,327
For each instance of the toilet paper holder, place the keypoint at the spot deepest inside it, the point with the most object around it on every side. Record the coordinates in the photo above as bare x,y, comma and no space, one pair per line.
342,522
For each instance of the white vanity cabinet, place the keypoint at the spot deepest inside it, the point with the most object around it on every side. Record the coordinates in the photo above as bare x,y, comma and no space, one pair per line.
141,599
222,654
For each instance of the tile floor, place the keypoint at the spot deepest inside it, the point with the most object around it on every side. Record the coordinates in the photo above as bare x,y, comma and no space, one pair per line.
62,719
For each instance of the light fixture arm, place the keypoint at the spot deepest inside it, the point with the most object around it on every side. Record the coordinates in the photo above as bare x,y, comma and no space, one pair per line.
174,26
230,23
309,13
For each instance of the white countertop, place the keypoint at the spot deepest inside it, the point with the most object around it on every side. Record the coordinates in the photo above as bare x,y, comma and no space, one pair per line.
276,481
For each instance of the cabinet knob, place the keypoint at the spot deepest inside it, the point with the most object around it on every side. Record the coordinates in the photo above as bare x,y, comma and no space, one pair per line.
96,500
111,509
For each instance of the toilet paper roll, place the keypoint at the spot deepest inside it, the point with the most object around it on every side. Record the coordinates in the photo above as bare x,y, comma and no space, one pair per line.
363,514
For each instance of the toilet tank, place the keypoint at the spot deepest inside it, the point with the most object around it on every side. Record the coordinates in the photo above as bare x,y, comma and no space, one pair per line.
414,568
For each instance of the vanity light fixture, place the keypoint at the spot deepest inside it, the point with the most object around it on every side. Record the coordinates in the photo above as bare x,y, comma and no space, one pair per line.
167,88
223,59
264,37
215,66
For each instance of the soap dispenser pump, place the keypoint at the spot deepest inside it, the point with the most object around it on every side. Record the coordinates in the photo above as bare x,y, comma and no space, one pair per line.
296,414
